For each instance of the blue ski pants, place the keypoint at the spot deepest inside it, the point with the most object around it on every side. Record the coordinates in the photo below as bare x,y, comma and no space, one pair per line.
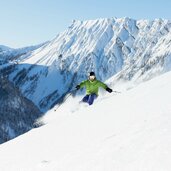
89,98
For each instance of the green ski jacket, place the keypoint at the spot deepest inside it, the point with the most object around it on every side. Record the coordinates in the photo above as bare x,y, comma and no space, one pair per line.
92,86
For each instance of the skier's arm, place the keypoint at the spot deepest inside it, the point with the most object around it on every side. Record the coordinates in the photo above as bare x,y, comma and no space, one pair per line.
81,85
101,84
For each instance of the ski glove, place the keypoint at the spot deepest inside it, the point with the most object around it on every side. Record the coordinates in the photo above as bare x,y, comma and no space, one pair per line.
109,90
77,87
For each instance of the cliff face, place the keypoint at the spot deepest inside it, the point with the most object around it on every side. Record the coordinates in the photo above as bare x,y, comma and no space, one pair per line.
17,114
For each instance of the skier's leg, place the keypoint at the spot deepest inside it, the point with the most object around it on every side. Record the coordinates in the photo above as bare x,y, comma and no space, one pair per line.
91,98
85,98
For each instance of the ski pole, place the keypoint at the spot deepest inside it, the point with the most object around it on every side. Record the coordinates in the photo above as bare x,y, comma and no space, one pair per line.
68,95
63,101
116,92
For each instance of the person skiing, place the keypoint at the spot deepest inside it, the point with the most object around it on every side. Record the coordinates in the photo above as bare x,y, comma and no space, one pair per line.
92,86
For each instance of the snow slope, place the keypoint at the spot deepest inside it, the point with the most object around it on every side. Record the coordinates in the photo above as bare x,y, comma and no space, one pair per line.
123,132
132,49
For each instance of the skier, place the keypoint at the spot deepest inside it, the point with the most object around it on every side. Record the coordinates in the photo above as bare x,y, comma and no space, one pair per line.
92,85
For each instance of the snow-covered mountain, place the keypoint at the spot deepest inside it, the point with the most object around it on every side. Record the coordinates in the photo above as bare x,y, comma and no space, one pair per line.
120,47
128,131
17,114
4,48
124,132
10,54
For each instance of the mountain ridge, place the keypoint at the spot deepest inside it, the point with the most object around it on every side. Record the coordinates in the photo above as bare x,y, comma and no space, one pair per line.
123,48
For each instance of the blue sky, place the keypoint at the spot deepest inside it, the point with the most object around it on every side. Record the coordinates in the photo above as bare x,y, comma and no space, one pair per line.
29,22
